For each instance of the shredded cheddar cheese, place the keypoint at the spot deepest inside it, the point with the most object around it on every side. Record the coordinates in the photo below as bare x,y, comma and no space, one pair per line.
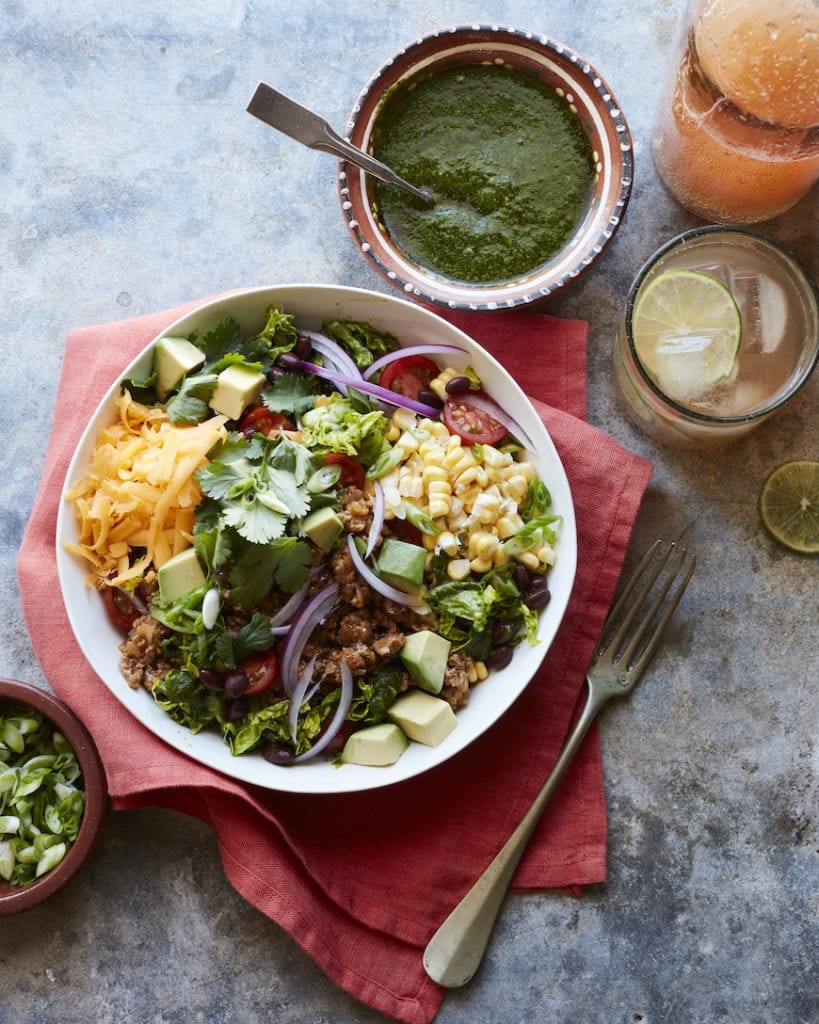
139,491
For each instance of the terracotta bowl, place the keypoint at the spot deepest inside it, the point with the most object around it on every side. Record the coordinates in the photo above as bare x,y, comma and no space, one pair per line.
16,898
576,82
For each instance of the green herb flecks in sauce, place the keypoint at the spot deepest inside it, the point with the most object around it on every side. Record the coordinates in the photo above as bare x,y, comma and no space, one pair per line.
506,161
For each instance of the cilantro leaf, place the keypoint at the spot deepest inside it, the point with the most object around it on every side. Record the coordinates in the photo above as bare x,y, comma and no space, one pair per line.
291,392
284,562
190,403
253,520
293,457
141,390
222,339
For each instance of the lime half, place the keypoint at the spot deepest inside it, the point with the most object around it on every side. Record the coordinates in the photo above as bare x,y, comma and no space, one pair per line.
789,505
687,328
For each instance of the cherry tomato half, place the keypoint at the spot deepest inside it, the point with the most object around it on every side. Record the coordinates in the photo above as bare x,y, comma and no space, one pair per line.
471,424
262,670
352,472
409,375
121,609
262,421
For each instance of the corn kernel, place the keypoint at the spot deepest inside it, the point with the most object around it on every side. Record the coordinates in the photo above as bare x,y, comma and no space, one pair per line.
411,487
499,555
546,554
438,507
487,545
437,473
515,486
530,560
458,569
453,442
407,441
464,479
393,432
481,670
471,673
526,470
480,564
448,543
458,461
439,430
428,541
404,419
481,476
505,527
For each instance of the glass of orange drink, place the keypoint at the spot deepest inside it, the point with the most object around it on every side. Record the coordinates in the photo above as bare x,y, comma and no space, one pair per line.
736,136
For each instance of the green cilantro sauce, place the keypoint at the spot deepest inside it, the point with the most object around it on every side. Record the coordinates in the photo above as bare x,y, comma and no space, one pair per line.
506,161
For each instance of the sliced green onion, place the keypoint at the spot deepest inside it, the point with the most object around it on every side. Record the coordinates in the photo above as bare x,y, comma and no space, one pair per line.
385,463
420,520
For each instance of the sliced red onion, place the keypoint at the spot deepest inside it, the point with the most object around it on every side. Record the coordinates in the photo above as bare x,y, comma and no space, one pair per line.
300,697
411,350
384,394
378,519
287,610
306,620
344,703
384,589
332,350
481,401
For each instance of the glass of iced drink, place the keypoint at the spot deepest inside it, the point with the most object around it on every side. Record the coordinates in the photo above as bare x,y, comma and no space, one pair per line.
736,136
721,329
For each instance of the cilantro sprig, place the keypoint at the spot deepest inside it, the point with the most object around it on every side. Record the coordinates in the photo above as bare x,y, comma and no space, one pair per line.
257,494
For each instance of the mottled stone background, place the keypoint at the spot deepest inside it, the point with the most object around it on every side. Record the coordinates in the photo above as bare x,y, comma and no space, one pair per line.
133,180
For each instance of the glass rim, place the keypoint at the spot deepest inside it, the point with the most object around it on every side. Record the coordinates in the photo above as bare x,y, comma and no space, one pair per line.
809,287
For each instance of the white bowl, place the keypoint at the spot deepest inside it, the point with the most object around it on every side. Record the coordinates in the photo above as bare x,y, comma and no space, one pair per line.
312,305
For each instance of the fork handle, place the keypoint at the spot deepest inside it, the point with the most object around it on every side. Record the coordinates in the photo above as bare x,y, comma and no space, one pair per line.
455,951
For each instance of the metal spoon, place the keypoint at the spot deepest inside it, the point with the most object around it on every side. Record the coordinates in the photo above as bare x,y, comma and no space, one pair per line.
301,124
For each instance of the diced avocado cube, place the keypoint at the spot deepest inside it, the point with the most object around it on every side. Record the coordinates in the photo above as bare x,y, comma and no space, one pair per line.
375,745
180,575
323,527
425,655
402,565
423,717
173,358
236,388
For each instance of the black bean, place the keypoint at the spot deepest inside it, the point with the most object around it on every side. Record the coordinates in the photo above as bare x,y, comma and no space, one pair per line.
236,682
539,594
428,397
277,753
521,577
303,347
457,385
211,679
500,657
504,630
237,709
288,361
274,373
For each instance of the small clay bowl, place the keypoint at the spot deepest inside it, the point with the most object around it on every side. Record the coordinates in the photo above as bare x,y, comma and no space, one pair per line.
576,82
13,899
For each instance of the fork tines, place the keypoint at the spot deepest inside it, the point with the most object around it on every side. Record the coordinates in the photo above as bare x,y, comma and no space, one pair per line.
648,593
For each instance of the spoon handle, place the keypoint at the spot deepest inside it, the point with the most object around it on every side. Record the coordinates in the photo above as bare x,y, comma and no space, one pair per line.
299,123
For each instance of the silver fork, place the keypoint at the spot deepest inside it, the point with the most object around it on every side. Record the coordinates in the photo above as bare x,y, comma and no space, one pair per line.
455,951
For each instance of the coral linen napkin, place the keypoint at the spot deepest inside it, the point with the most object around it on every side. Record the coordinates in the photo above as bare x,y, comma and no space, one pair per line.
365,905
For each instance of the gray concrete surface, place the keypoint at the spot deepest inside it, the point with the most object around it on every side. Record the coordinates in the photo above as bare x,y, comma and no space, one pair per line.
132,180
